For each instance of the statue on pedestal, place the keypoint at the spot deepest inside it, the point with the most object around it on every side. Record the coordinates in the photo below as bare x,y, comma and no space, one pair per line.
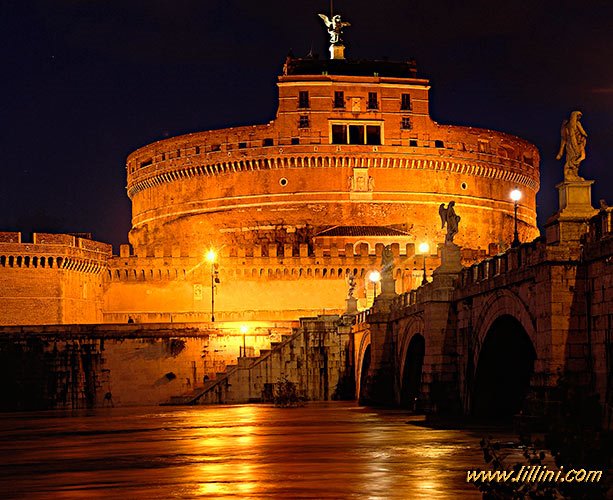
451,219
573,139
335,28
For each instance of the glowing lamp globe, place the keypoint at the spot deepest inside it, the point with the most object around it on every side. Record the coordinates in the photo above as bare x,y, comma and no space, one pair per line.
516,195
211,256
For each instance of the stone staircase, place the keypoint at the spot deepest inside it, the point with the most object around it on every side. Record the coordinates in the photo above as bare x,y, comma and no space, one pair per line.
221,378
312,357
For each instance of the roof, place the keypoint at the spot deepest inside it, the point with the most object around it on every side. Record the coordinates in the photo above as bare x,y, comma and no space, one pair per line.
359,231
314,66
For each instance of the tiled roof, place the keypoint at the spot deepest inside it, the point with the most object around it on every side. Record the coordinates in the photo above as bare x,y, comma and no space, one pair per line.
362,231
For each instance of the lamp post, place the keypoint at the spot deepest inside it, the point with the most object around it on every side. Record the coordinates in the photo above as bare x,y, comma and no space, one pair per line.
424,248
515,196
374,277
211,257
244,330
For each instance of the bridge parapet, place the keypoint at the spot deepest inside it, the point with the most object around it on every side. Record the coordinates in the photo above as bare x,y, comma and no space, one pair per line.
512,261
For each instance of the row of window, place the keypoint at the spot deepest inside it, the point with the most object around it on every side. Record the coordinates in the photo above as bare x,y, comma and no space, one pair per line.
343,133
339,100
405,123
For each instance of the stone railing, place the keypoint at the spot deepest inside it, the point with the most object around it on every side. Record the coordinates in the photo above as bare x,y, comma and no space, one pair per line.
514,259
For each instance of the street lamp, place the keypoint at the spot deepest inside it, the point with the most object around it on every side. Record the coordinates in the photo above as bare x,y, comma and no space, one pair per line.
515,196
211,257
374,277
244,330
424,248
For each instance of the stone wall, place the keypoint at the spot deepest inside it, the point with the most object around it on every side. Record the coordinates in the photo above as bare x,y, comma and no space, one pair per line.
57,278
76,366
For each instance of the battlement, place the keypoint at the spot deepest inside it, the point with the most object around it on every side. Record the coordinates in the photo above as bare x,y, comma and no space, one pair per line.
53,251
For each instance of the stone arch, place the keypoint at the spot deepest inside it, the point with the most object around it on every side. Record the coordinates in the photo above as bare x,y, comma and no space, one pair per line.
363,364
414,326
412,369
504,370
502,302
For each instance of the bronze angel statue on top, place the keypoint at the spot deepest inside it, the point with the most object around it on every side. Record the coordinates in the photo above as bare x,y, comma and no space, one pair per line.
449,218
335,28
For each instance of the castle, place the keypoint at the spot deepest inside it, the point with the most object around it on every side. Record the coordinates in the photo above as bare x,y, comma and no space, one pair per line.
311,248
287,210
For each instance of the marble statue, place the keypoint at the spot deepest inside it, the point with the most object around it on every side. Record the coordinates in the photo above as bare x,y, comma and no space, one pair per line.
352,285
387,261
449,218
572,143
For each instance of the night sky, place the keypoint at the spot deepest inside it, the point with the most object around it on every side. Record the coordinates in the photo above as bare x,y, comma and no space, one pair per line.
85,82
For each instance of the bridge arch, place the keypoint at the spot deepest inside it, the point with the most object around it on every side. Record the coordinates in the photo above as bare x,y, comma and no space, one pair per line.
504,368
362,364
501,303
412,368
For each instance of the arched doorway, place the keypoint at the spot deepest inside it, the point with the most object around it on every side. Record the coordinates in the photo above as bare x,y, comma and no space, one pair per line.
362,396
506,363
411,373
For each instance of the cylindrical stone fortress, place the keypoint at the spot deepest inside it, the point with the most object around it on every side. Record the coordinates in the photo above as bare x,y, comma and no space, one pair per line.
352,145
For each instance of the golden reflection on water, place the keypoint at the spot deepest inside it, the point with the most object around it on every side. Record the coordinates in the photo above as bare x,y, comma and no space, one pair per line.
239,440
332,450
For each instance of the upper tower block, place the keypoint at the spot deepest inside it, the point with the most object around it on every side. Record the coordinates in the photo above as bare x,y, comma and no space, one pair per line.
352,102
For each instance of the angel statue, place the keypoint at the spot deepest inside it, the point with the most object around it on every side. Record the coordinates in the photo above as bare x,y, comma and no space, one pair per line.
449,217
387,261
573,139
352,285
335,28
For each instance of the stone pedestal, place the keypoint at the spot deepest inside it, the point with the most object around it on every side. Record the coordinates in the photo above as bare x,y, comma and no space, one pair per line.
451,260
569,223
443,277
351,306
388,286
337,51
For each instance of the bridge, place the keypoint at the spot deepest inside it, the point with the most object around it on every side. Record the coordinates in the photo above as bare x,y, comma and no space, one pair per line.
500,336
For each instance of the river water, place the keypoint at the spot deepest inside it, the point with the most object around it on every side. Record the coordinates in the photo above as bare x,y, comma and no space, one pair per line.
324,450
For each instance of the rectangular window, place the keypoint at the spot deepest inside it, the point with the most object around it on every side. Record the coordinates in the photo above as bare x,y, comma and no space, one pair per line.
339,99
339,134
405,102
295,140
406,123
373,103
303,99
413,143
373,134
178,153
146,163
304,121
242,145
268,142
439,144
215,147
356,134
197,150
